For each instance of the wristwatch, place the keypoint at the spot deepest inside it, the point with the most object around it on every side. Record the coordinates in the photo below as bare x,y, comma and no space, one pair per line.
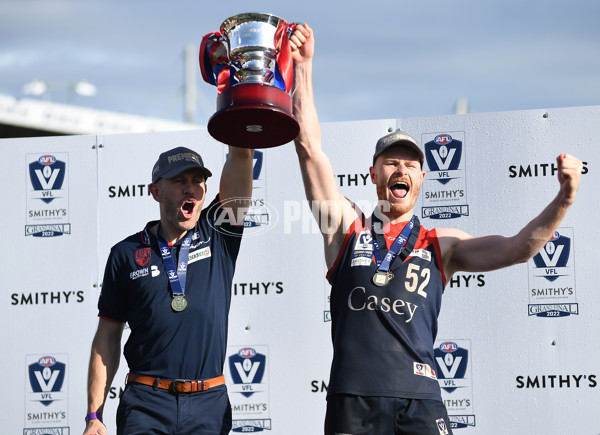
93,416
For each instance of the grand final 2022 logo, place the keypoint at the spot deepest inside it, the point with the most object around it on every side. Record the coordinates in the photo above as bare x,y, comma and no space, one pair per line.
48,195
444,192
552,278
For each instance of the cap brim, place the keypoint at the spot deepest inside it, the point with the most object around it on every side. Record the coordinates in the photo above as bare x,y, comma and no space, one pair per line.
176,171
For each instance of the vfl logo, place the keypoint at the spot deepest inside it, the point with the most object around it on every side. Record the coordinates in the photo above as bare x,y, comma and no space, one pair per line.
364,241
443,154
247,368
553,255
142,256
46,377
451,362
47,175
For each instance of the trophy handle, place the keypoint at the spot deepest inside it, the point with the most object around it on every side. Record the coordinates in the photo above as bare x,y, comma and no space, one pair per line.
214,63
284,72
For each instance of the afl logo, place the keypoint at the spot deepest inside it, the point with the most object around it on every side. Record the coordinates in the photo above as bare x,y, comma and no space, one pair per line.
448,346
47,361
47,160
443,139
555,236
247,352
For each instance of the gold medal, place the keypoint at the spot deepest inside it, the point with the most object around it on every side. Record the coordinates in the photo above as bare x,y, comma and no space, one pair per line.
179,303
381,279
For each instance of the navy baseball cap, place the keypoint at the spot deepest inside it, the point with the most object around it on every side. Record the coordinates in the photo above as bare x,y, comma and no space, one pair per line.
173,162
400,138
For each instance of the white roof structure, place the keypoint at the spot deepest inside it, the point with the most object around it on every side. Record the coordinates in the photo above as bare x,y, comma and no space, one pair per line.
41,115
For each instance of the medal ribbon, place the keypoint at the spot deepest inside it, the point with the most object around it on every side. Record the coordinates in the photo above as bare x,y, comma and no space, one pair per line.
383,265
176,274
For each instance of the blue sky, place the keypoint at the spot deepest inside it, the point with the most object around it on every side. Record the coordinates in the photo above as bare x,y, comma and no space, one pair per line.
374,59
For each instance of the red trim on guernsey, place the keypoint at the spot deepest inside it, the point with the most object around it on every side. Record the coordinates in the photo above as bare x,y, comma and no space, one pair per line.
438,253
426,237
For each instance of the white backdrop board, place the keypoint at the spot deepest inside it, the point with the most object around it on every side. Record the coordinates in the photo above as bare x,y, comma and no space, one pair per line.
516,348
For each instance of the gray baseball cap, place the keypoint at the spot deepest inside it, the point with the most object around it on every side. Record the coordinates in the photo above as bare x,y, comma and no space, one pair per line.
173,162
398,137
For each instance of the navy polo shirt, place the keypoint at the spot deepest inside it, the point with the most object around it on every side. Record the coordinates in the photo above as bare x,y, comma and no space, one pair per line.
190,344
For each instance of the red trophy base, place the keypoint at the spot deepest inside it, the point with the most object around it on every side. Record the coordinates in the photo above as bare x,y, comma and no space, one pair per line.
253,115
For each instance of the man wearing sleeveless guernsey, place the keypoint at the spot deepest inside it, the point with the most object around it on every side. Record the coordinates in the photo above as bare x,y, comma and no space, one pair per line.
387,273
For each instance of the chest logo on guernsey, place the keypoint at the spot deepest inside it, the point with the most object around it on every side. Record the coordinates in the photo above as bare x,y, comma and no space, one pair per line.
362,255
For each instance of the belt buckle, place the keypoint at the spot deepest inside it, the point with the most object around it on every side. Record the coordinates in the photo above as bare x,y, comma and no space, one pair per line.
177,385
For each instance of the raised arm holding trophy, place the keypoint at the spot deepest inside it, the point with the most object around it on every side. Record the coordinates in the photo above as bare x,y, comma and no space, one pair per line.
178,314
250,63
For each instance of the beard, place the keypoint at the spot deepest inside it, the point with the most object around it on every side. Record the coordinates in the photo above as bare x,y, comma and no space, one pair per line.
395,207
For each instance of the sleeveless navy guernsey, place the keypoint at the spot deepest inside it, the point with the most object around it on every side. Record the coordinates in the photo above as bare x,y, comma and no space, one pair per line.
383,336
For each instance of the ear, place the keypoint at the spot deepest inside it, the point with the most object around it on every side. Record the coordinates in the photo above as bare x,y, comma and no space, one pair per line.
155,191
372,173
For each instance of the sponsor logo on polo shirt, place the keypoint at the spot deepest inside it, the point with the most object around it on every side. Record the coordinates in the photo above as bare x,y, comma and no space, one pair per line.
139,273
199,254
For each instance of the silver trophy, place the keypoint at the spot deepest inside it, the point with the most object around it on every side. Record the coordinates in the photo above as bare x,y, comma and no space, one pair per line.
252,67
251,39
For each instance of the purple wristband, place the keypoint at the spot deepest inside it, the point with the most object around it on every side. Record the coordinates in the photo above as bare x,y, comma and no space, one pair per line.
93,416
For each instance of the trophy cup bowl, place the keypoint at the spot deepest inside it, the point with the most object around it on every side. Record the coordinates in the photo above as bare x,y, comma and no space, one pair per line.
253,112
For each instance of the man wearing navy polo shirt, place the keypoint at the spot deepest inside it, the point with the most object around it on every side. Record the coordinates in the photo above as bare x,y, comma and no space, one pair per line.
171,283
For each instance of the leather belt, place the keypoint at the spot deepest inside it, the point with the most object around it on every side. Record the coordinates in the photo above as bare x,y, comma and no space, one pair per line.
177,385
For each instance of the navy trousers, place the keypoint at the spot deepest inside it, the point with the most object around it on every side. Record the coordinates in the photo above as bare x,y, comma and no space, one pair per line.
144,410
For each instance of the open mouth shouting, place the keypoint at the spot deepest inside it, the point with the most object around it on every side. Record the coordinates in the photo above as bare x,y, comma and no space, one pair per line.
399,189
187,208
